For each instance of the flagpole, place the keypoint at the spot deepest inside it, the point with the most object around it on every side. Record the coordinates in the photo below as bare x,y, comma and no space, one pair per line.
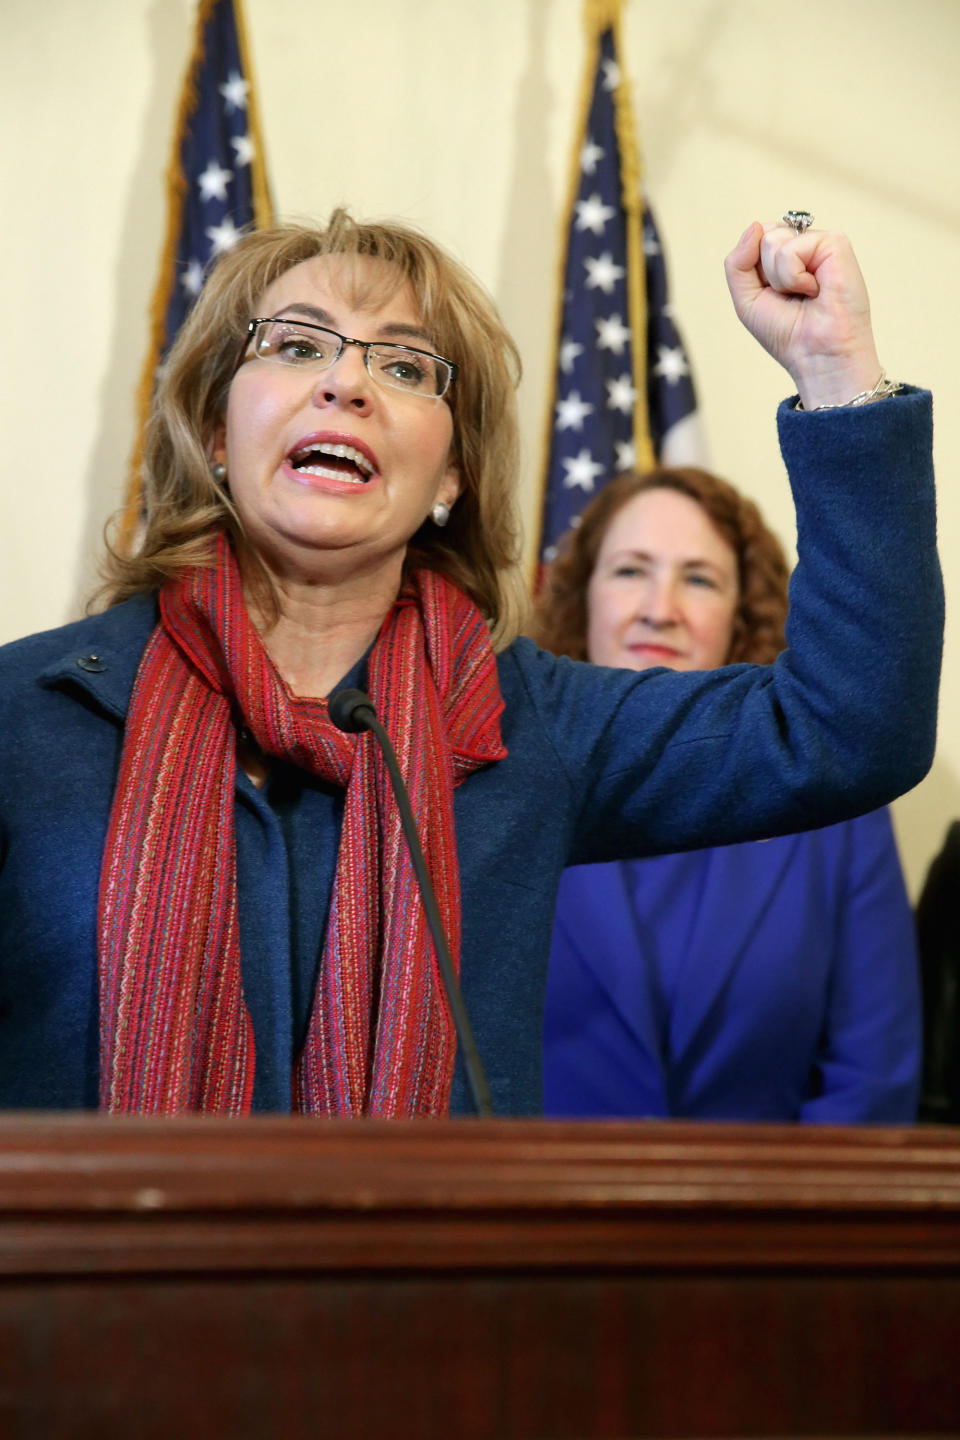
631,175
219,66
176,192
593,32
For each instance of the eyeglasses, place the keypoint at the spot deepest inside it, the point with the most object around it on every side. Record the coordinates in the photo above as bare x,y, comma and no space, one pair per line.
313,347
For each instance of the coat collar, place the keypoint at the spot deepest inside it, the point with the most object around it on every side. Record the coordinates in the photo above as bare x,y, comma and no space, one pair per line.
101,655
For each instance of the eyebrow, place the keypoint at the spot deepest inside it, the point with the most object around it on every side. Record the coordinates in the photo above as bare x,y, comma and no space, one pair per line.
392,330
691,564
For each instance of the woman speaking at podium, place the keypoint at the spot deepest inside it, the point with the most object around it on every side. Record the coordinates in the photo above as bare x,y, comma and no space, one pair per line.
205,899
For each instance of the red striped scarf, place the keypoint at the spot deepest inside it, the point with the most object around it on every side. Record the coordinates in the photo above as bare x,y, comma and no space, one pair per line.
175,1033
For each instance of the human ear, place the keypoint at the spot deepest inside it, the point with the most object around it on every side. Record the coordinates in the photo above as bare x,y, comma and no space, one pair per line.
450,486
217,443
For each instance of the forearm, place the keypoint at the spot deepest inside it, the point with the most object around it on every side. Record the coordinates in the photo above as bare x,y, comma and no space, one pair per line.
842,722
866,604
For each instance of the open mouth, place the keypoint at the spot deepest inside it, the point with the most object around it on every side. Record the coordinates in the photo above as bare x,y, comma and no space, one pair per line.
332,462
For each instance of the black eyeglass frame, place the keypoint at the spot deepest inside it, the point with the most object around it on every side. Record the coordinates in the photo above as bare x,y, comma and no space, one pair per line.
365,345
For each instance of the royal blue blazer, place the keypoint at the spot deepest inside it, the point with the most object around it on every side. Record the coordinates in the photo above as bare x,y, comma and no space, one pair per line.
776,980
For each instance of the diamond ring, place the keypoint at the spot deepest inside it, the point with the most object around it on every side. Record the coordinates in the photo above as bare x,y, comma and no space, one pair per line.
798,220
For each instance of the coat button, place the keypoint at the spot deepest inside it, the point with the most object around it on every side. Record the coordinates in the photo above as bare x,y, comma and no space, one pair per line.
91,662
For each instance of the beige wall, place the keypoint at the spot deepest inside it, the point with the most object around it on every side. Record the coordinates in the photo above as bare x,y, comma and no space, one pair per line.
460,116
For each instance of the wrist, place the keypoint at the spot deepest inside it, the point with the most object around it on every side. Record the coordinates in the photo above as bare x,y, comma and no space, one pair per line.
833,381
879,391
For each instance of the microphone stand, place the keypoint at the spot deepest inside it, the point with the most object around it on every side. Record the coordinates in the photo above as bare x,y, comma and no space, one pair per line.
353,711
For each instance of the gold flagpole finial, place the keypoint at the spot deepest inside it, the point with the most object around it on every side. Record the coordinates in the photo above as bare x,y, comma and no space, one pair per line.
601,14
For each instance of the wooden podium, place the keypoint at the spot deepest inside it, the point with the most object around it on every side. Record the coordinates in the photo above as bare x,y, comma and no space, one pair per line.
292,1278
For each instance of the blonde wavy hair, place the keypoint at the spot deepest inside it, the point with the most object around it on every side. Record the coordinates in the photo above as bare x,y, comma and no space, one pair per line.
763,573
479,549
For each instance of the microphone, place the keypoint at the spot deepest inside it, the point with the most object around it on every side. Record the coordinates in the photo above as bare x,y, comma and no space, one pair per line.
353,711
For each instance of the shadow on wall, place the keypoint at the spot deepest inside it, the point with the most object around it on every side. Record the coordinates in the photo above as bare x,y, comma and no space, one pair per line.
141,242
527,284
687,98
686,91
920,823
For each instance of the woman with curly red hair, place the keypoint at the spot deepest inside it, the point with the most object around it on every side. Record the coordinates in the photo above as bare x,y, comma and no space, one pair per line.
770,980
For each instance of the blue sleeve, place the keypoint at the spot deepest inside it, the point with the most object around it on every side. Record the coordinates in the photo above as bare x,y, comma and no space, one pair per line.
868,1063
843,721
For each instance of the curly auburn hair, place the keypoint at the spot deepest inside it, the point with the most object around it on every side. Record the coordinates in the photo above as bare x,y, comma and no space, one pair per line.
480,548
758,626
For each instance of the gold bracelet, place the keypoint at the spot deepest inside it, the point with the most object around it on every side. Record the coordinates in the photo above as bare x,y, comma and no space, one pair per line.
880,391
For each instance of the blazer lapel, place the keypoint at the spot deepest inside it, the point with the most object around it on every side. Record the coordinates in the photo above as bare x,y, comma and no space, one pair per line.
599,895
740,883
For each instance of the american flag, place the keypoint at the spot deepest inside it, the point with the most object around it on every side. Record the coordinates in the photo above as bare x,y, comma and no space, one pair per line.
213,174
623,380
217,186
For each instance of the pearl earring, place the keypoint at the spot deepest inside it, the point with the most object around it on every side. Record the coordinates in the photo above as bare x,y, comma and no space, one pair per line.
440,514
219,471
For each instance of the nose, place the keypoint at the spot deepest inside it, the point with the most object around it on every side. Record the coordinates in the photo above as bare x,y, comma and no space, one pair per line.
658,602
346,384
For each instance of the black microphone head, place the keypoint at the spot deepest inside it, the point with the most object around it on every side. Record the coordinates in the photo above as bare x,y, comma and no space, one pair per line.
351,710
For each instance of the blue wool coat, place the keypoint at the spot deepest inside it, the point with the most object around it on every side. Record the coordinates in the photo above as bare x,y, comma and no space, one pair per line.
768,981
602,764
